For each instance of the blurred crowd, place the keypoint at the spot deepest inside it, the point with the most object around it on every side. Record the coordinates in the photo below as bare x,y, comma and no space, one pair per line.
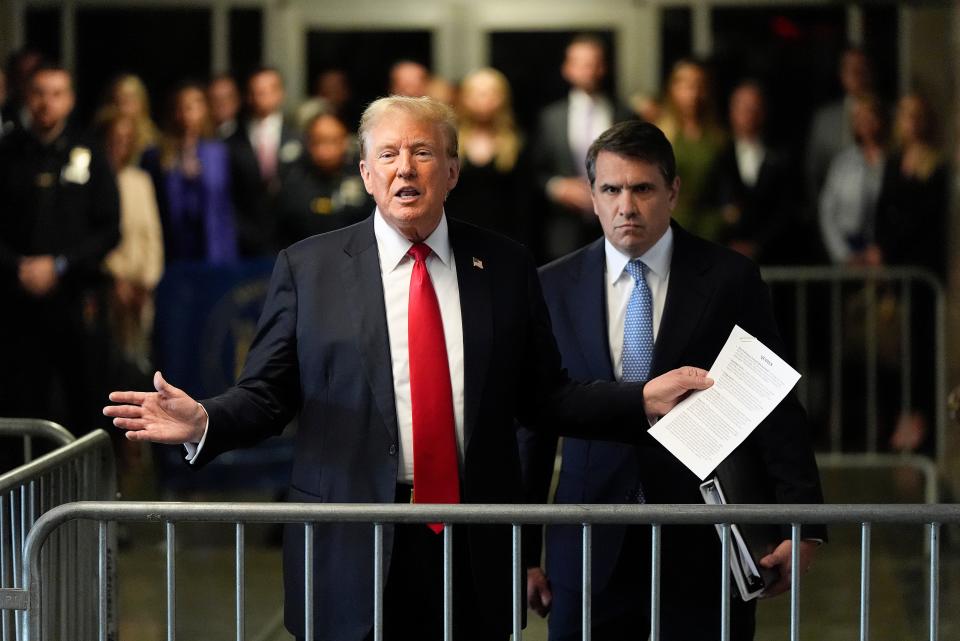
92,212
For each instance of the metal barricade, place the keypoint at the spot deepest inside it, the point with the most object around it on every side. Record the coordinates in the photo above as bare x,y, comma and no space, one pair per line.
819,309
240,514
80,470
31,428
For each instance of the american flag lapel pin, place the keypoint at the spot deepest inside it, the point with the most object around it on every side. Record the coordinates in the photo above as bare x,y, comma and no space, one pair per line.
477,263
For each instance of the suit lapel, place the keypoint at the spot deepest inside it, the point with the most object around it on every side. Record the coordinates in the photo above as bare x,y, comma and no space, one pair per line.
363,287
476,310
588,311
687,295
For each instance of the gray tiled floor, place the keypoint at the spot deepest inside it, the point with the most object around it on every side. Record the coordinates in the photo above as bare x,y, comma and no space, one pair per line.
829,603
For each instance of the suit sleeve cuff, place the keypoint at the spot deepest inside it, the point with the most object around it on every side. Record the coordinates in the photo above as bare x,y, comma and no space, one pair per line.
193,449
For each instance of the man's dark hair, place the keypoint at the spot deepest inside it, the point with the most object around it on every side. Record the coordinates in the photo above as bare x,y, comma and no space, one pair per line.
256,71
48,66
591,39
637,140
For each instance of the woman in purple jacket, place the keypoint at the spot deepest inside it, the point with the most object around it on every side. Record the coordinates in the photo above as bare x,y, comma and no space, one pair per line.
191,173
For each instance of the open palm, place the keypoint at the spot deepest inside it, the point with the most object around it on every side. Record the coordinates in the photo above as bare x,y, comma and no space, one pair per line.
168,415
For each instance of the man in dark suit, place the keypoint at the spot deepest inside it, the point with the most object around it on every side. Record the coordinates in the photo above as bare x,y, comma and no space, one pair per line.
564,133
626,307
59,218
754,184
261,151
408,334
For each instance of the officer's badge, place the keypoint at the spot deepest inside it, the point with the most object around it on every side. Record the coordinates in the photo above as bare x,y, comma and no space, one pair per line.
290,151
352,191
321,205
77,170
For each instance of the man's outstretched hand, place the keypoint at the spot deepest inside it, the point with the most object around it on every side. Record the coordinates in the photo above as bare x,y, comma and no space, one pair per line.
661,394
168,415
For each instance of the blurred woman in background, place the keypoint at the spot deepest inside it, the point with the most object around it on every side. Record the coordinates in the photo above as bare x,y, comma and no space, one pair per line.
128,97
689,121
493,190
191,173
848,201
136,264
912,231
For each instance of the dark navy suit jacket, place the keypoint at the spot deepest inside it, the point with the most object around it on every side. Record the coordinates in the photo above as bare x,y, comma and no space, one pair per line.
321,352
710,289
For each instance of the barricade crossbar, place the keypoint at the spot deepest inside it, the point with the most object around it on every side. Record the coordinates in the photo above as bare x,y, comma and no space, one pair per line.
241,514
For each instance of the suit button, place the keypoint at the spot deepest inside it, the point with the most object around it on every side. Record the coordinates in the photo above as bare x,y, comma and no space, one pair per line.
393,449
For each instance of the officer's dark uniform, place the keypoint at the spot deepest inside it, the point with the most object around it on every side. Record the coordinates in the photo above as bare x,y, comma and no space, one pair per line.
61,200
314,203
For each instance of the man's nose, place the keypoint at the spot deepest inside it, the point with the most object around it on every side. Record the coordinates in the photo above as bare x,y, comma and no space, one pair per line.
626,206
406,167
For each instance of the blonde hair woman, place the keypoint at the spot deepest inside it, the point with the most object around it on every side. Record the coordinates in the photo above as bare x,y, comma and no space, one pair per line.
491,156
128,97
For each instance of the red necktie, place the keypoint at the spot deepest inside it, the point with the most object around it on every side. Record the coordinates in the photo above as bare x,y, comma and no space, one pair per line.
435,470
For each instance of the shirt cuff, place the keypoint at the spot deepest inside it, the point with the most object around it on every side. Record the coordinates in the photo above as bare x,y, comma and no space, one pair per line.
193,449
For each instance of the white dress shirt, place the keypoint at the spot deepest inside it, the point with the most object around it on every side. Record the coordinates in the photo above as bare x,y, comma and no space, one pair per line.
620,285
396,268
588,117
750,155
266,133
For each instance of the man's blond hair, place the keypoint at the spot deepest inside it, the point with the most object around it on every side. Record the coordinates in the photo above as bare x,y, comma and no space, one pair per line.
424,109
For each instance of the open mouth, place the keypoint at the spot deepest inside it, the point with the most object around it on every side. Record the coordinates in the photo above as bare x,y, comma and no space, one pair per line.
407,193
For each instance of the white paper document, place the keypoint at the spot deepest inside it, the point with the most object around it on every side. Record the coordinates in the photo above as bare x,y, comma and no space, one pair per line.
750,380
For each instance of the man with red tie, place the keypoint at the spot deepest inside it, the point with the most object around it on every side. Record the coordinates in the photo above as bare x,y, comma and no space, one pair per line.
407,345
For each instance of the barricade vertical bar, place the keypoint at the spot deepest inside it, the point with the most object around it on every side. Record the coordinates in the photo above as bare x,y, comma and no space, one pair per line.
795,582
802,356
725,582
655,546
33,503
102,580
240,580
836,367
27,449
16,554
378,582
870,332
171,582
941,382
517,589
308,581
864,581
4,615
906,363
587,580
447,582
934,581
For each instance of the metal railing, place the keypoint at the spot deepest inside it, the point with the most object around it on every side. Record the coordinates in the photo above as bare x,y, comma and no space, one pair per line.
31,428
80,470
819,313
102,514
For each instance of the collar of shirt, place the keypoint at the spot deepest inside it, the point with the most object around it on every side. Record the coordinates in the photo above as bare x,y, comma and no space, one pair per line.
750,155
657,258
393,246
580,99
272,124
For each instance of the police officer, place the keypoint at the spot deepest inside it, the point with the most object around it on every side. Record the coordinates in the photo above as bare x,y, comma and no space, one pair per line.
323,190
59,216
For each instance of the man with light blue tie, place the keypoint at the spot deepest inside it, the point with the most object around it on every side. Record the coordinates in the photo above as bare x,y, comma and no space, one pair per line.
627,307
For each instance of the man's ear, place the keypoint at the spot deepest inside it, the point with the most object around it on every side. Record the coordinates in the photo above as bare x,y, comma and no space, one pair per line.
674,192
365,175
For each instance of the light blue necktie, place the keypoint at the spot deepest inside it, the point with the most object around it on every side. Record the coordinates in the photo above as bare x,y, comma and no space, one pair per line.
638,326
638,334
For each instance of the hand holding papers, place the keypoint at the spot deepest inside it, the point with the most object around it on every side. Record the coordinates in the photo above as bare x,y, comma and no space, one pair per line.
704,428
